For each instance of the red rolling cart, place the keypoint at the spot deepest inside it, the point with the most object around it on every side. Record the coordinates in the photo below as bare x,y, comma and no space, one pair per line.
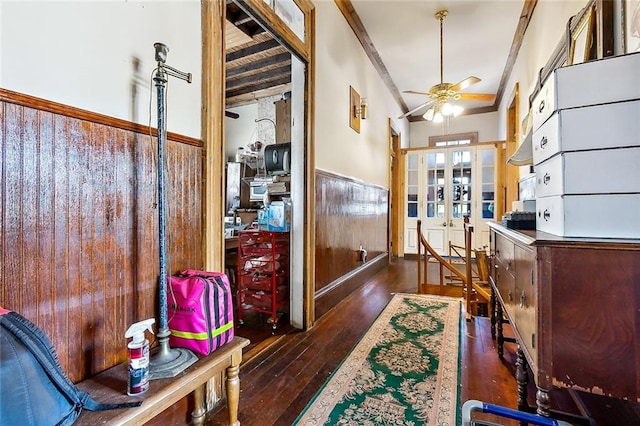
263,273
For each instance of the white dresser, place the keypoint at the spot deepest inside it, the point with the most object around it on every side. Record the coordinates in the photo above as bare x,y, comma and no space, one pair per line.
586,150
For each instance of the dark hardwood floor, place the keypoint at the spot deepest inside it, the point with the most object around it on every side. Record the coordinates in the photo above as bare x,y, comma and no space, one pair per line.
279,379
278,383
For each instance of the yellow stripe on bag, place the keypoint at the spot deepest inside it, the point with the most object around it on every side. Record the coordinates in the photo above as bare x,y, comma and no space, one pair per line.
202,336
222,329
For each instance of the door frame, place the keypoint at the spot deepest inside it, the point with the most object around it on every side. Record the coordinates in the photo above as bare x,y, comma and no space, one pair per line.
213,19
511,174
451,229
402,208
395,225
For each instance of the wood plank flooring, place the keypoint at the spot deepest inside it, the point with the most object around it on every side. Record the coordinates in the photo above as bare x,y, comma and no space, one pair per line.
278,382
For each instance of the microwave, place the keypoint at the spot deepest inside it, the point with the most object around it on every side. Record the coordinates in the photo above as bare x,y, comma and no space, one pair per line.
257,191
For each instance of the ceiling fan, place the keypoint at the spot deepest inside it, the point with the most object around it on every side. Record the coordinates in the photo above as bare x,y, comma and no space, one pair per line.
442,94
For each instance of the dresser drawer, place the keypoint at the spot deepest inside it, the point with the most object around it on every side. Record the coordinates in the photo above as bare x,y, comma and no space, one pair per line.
505,284
525,304
505,252
608,171
582,129
595,215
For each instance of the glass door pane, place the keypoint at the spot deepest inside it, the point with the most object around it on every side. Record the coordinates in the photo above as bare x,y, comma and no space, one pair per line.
412,185
460,183
435,185
487,170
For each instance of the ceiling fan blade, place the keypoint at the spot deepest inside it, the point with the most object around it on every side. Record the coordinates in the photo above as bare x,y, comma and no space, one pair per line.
413,92
465,83
416,109
486,97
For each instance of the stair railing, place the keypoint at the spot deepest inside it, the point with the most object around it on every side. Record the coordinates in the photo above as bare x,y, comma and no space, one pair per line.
466,277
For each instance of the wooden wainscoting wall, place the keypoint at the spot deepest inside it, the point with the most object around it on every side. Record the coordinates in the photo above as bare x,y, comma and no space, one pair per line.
349,213
79,227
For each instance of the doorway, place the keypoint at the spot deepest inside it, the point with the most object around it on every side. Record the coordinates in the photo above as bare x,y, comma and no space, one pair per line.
263,74
444,185
394,239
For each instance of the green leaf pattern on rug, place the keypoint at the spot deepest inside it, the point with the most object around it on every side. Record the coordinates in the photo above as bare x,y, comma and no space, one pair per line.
396,385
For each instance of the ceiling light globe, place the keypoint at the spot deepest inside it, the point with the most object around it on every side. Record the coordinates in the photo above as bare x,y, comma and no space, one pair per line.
438,117
447,108
429,114
457,110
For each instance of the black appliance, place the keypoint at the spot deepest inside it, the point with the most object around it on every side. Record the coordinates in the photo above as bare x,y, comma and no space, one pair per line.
277,158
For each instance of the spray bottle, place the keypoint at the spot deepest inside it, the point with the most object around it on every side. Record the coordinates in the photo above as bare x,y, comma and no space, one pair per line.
138,381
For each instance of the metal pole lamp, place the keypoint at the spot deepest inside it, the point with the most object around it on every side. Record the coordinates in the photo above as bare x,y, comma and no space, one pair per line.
167,362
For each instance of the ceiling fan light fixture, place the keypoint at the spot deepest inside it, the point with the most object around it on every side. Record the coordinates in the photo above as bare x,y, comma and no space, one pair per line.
440,94
447,109
457,110
429,114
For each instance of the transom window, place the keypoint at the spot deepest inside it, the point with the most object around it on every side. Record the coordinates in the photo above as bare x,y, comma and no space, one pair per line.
453,140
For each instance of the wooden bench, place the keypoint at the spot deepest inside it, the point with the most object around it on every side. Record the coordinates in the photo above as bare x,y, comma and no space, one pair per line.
110,386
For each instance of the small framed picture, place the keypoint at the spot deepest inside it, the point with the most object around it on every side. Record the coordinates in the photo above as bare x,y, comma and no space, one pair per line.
354,105
581,40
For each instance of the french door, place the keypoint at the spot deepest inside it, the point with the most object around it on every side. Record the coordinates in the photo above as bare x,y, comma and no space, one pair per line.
443,186
447,180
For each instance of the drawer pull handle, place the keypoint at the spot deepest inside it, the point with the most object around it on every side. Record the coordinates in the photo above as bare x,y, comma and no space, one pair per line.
545,215
543,142
541,107
522,299
510,296
546,178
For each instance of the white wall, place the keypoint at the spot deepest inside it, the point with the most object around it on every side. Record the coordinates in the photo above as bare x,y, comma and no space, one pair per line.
80,53
485,124
543,34
242,130
341,62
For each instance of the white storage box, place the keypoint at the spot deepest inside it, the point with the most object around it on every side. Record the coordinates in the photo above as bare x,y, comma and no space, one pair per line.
595,127
612,79
590,172
594,216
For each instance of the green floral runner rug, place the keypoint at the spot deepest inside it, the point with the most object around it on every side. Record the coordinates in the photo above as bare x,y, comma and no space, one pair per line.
403,371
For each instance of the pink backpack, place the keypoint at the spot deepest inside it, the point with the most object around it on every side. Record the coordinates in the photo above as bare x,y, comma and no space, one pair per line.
200,311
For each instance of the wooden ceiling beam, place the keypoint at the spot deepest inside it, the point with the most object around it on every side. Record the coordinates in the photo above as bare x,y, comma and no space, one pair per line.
271,60
265,85
516,44
250,98
350,15
250,50
240,19
261,76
